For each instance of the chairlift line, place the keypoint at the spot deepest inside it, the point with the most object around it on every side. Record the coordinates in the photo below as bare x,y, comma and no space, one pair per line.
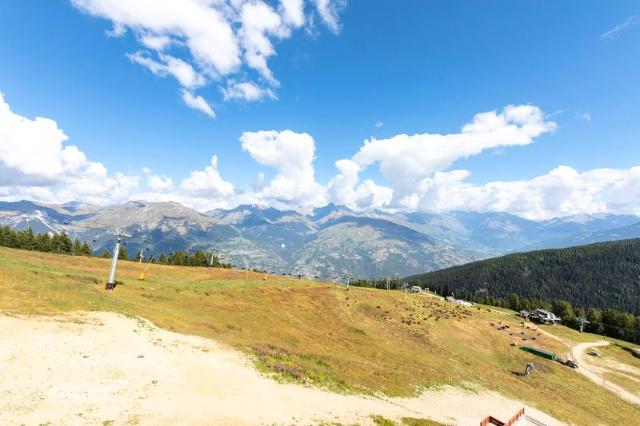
142,275
111,282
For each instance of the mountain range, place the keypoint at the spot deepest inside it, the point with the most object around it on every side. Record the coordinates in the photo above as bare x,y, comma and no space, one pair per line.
330,242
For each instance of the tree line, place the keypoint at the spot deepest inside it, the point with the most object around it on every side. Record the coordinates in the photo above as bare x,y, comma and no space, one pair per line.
61,243
56,243
177,258
394,283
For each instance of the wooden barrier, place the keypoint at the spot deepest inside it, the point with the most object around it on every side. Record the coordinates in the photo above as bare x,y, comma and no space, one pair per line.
490,420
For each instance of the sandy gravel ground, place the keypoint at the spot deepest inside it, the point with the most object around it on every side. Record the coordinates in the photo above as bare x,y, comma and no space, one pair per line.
595,373
100,367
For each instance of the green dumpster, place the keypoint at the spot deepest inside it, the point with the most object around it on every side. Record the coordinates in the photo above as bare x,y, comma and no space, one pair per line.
539,352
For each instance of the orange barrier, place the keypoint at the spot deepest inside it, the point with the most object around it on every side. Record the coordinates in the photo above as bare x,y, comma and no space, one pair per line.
490,420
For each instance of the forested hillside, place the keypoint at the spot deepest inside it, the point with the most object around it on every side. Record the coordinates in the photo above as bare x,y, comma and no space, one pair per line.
604,275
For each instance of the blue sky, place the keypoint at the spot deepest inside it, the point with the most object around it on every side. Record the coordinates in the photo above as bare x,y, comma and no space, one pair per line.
387,68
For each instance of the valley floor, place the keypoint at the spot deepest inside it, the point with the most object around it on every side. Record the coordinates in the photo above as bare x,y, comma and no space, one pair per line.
103,368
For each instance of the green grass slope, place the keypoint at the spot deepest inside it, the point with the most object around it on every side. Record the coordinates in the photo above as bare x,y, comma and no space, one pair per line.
361,340
604,275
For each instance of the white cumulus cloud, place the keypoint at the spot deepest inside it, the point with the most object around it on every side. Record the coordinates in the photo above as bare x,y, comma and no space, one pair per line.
181,70
292,155
203,41
329,11
35,163
207,183
247,91
405,160
563,191
197,102
344,188
34,150
159,183
292,12
260,23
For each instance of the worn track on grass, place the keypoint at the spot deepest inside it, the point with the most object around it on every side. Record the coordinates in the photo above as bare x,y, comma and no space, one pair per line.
596,373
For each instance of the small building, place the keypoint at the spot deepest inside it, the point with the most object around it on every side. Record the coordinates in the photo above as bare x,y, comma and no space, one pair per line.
459,301
545,316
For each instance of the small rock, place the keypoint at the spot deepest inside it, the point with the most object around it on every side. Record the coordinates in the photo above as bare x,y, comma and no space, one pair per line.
85,356
155,382
140,356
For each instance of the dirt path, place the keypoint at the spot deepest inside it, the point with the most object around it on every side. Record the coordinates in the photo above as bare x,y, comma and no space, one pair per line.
100,367
554,337
596,373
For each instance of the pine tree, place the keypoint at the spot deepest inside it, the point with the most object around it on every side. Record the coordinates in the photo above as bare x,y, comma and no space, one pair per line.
564,310
85,249
77,247
56,244
122,253
105,254
178,258
65,245
4,236
27,240
199,258
594,316
43,242
10,238
514,302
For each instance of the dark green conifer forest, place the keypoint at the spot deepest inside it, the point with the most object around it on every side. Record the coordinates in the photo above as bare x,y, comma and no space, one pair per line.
598,282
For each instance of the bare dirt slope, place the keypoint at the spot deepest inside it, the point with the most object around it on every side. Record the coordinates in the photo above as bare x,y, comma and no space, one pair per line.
101,367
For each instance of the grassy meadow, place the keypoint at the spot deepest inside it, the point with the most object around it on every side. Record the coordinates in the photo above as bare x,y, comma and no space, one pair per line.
357,341
625,368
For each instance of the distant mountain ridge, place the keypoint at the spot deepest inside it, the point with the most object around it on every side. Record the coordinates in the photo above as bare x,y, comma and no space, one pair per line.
595,236
332,241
